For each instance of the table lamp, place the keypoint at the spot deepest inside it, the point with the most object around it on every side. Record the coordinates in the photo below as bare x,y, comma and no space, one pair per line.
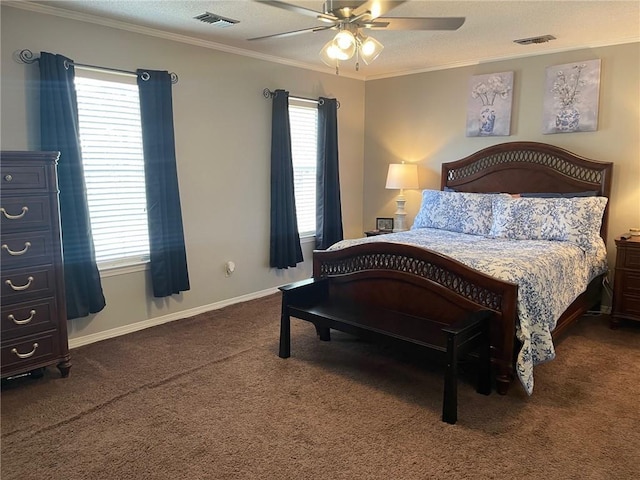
401,176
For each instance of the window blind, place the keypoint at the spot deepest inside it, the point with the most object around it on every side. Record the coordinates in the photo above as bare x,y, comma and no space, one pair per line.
304,148
111,142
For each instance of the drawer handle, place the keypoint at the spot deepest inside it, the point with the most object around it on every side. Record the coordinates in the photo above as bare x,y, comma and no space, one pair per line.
25,355
8,216
8,178
16,253
19,288
32,314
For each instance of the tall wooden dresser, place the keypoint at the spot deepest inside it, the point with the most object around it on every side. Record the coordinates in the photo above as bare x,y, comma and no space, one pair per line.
33,308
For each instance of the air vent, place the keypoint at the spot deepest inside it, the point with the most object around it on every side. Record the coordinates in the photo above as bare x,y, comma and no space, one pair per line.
541,39
216,20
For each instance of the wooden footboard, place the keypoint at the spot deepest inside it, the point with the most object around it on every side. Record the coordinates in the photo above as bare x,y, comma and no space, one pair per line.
423,283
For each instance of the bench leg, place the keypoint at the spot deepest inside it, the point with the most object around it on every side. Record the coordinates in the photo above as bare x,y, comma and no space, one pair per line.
285,333
324,333
450,401
484,372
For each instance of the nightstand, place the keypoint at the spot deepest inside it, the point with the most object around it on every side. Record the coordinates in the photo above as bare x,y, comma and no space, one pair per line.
626,283
373,233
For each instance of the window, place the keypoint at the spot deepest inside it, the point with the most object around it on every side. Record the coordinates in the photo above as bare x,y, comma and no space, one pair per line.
304,147
111,143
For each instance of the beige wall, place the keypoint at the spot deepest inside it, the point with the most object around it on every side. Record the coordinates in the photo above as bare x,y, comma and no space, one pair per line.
422,117
222,129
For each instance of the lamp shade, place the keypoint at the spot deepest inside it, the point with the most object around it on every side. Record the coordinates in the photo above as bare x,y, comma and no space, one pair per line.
402,175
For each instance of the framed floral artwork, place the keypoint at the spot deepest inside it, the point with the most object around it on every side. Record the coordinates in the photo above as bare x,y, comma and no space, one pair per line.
571,97
489,105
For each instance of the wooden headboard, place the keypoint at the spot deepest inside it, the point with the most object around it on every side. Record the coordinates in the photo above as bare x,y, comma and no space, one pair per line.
529,167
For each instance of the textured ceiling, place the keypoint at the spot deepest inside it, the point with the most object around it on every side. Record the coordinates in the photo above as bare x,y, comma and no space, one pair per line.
487,34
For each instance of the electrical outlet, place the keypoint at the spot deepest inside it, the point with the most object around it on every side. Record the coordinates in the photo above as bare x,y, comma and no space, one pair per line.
229,268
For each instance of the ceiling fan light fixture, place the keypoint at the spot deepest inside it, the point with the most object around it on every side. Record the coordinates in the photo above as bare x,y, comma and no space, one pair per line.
342,47
346,44
331,55
345,40
370,48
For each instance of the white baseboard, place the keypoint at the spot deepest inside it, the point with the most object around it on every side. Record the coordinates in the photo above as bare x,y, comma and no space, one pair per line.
152,322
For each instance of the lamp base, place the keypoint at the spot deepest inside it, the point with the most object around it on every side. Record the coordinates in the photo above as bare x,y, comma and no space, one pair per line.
399,222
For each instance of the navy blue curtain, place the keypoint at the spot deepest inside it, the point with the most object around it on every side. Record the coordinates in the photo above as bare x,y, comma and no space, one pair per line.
328,209
285,249
168,263
59,132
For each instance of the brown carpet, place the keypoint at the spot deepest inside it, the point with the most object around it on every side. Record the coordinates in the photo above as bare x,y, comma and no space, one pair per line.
208,398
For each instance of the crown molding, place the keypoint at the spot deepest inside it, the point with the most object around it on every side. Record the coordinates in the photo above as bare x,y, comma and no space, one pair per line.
503,58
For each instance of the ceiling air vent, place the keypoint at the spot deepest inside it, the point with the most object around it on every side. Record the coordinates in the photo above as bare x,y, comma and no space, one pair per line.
216,20
541,39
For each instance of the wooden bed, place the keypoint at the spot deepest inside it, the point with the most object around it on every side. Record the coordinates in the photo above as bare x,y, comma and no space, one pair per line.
423,283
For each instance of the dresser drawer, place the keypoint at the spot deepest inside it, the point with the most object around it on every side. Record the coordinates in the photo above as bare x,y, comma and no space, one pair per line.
631,258
25,213
630,282
628,305
24,177
26,248
28,351
25,283
28,318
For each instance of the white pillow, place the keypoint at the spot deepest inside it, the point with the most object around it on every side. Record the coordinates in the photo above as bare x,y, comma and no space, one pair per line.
461,212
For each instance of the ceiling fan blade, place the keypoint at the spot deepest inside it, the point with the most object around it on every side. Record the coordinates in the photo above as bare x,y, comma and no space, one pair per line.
295,8
424,23
294,32
376,7
373,24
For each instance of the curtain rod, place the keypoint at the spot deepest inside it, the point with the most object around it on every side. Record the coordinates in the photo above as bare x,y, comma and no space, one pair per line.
26,56
266,93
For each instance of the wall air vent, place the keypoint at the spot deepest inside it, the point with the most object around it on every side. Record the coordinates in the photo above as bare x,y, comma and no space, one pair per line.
541,39
216,20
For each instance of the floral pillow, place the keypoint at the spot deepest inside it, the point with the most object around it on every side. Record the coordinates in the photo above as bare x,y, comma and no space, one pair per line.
524,218
583,220
461,212
576,219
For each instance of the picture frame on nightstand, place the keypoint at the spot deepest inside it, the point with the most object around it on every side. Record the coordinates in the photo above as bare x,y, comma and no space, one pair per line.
384,224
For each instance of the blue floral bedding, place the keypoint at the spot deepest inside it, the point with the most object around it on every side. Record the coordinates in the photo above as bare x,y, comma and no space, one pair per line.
550,276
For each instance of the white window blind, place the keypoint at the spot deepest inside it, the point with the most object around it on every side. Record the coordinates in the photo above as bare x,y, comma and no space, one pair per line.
111,142
304,146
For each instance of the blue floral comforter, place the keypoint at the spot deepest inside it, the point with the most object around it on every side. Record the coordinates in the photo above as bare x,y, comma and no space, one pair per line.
550,276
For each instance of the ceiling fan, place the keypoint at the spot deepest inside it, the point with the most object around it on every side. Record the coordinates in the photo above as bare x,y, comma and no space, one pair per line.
351,18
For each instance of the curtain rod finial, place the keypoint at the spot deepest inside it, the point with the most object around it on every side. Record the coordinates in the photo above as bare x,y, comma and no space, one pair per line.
26,56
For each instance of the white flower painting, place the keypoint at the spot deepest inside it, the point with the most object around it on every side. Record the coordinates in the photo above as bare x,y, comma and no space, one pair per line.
571,97
489,104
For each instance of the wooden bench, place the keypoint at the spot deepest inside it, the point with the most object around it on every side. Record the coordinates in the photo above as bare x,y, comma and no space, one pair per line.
310,300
